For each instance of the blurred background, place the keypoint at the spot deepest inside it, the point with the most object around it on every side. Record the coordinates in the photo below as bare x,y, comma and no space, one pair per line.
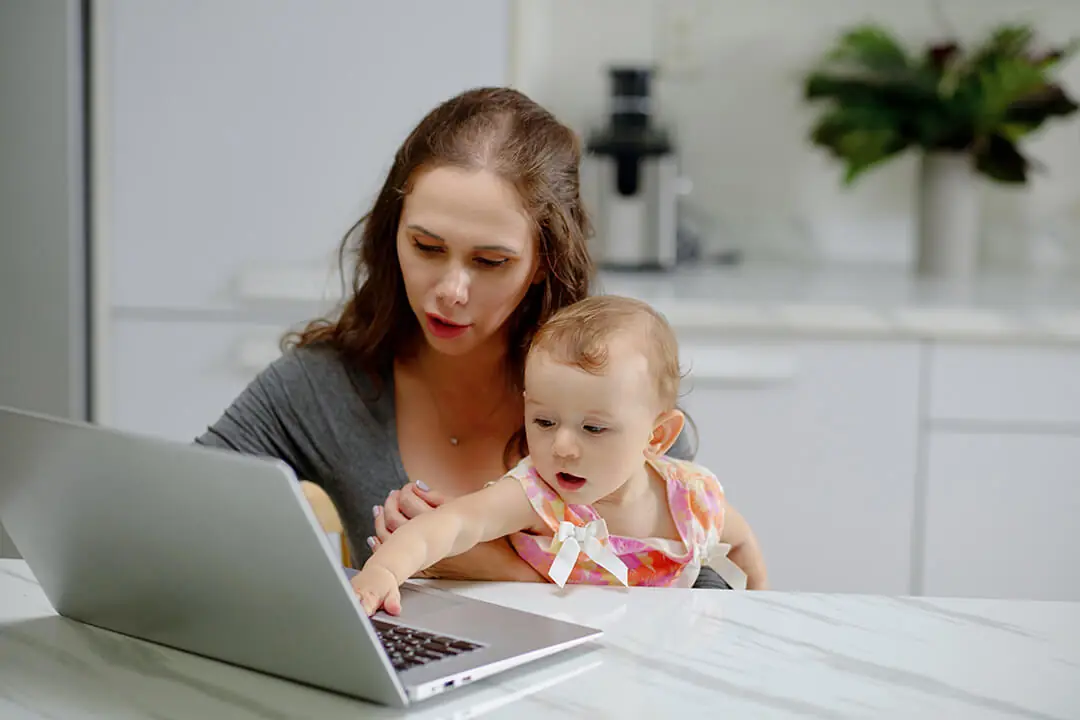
884,373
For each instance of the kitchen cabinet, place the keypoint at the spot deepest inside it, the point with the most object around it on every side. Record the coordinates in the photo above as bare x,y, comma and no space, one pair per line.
231,137
1001,515
816,445
1005,385
173,379
237,134
1003,461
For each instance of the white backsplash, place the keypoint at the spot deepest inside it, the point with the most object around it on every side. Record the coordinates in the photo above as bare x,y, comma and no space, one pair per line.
730,88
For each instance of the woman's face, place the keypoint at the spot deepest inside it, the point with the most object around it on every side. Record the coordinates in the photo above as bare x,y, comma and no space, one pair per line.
468,256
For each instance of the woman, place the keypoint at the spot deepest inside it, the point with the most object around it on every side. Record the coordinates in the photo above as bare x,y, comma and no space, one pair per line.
476,237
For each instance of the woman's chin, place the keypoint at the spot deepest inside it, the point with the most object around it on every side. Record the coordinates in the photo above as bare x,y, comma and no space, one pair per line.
452,347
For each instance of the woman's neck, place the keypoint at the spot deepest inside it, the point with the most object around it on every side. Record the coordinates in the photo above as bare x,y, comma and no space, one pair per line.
461,380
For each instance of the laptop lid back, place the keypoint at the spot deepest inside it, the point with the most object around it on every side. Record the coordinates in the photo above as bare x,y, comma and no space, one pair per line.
199,549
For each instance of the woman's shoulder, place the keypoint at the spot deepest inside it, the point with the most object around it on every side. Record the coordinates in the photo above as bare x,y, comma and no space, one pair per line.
322,370
306,392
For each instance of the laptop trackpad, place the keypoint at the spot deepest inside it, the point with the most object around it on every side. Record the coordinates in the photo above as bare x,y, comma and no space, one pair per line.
418,603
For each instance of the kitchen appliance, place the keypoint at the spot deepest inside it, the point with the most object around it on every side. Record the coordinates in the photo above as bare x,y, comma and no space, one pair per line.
630,179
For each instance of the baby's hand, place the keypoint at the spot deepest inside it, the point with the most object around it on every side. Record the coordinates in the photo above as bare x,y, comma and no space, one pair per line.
377,587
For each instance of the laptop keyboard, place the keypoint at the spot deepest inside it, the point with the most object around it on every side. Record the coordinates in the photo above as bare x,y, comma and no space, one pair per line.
409,647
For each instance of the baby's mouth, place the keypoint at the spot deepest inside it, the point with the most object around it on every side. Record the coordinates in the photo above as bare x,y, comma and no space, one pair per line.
569,481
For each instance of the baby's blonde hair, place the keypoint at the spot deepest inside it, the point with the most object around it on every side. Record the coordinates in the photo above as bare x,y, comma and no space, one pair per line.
580,335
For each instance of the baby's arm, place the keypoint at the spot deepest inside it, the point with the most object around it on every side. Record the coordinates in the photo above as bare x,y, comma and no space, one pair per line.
451,529
745,551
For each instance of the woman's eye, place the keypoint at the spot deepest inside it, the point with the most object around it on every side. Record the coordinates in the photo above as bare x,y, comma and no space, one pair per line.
426,248
594,429
540,422
489,263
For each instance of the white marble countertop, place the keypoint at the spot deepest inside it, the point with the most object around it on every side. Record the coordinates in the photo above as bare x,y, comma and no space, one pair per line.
852,302
666,653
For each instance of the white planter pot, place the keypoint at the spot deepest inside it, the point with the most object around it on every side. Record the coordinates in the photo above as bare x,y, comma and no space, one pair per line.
948,223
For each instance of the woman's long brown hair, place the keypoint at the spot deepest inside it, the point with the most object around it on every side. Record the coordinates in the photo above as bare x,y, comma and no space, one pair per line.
497,129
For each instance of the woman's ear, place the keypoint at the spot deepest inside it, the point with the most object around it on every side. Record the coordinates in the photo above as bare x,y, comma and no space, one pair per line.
539,275
666,431
541,271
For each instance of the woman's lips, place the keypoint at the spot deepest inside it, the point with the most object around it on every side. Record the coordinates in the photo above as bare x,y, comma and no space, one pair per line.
442,328
569,481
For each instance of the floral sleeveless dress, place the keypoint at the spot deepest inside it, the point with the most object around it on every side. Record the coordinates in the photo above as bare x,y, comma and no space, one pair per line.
694,497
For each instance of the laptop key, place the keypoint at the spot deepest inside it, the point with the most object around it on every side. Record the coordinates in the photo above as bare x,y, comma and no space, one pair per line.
444,650
408,647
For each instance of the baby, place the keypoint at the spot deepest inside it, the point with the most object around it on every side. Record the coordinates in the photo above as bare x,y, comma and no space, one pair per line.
596,501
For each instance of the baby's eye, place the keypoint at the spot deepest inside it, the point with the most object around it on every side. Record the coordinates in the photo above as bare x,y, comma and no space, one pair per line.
594,429
541,422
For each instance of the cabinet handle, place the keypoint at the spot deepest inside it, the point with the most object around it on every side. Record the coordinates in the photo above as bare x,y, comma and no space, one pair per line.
721,366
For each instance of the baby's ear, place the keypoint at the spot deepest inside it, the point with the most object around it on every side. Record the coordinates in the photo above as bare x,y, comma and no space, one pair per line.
666,431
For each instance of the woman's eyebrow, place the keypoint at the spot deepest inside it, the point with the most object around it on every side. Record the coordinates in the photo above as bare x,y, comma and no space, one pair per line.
424,231
505,249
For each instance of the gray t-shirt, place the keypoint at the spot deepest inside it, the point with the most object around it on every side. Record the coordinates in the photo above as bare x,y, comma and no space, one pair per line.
333,426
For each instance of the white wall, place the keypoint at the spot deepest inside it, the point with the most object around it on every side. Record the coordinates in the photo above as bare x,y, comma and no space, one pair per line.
731,88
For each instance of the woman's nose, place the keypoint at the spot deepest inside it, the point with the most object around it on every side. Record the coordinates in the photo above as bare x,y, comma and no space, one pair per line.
454,287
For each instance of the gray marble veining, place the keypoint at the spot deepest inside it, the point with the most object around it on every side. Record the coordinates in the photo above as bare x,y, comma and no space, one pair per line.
665,653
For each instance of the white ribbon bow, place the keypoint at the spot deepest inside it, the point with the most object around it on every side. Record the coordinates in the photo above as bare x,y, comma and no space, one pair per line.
570,540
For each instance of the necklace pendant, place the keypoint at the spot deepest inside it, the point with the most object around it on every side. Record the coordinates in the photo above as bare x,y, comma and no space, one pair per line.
454,441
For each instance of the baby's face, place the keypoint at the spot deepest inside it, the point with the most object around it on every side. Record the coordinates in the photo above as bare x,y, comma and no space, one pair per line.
588,433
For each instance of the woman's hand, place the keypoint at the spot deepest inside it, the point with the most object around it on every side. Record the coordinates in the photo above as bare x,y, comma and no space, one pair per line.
400,507
490,561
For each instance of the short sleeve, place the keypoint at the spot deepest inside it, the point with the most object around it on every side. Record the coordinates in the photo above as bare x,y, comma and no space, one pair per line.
261,420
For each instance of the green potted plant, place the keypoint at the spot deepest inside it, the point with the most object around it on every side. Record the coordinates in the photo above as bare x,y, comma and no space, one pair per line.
965,110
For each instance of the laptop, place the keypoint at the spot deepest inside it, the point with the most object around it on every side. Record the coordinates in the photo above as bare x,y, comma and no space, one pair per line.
218,554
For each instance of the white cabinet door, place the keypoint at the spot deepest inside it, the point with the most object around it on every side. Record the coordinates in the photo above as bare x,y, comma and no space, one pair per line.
246,133
816,444
173,379
1037,386
1001,516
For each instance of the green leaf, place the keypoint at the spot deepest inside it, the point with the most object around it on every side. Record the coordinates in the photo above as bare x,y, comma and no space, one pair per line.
869,46
862,137
1007,82
882,89
879,100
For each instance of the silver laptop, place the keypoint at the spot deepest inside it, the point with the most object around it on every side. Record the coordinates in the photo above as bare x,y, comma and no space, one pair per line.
218,554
